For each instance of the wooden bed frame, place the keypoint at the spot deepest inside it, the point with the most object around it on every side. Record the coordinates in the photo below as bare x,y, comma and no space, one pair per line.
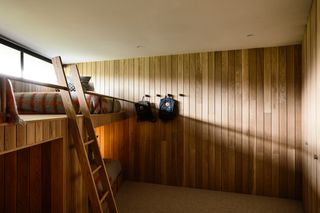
51,129
44,128
41,120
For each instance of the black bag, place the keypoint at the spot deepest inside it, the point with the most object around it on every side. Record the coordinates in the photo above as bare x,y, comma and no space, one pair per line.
144,111
167,109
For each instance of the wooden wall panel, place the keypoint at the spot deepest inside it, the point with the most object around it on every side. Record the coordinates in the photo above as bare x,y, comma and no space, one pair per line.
310,111
26,179
238,124
23,180
35,179
112,140
2,191
31,177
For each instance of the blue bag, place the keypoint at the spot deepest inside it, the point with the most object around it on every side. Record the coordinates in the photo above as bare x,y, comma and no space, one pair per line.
167,109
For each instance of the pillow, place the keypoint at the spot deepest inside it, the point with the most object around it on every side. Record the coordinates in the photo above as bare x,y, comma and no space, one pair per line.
86,85
91,86
85,79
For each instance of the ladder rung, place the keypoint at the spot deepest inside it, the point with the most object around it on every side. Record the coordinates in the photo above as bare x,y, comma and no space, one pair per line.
88,142
97,169
104,196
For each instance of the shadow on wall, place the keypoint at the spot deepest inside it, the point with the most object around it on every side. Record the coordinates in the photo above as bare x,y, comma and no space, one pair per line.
192,153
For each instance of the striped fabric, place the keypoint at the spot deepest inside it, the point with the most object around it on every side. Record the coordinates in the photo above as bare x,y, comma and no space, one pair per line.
51,103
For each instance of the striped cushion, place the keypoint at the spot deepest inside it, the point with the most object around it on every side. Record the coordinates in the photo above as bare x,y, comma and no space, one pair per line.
51,103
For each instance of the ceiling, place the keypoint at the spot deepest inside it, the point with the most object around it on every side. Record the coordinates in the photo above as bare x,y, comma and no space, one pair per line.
82,30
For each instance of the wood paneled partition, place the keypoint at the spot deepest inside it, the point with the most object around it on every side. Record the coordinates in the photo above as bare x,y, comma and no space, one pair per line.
31,179
310,111
238,127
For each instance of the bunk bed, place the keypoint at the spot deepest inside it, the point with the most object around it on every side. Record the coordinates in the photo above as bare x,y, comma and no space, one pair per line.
20,131
27,111
38,110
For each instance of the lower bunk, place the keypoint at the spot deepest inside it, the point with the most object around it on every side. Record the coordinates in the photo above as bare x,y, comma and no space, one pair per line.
116,173
42,156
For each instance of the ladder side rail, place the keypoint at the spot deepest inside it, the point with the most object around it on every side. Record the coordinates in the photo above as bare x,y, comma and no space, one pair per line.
91,132
76,136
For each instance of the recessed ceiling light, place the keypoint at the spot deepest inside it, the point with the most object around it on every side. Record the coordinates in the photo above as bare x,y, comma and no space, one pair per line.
139,46
250,35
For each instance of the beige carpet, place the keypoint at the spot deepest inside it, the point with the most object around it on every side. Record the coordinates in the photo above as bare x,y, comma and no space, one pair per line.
136,197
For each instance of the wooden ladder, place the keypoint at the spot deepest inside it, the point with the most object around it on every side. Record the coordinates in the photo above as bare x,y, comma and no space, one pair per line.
93,170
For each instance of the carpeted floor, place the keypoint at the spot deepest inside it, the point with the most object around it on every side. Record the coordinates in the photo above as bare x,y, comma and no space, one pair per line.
136,197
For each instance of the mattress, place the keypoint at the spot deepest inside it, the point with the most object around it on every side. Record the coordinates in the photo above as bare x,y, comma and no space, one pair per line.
51,103
113,168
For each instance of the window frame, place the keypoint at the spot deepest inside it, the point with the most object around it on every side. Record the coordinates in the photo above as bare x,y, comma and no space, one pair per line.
23,50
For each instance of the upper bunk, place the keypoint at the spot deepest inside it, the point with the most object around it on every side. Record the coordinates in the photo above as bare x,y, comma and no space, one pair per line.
33,129
98,120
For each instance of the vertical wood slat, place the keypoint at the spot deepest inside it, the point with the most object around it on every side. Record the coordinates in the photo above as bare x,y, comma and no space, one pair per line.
186,121
312,118
211,118
2,184
35,179
46,177
23,180
218,119
21,136
224,121
204,63
267,143
283,122
238,122
31,132
298,122
192,122
252,119
10,169
229,122
317,47
10,181
291,122
245,121
181,164
275,122
308,124
175,148
260,122
2,139
10,139
310,102
56,161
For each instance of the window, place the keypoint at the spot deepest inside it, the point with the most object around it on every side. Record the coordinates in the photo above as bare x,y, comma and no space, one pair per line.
10,63
38,70
20,62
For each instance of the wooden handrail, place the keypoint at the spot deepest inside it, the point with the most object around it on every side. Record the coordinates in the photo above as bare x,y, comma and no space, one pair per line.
34,82
107,96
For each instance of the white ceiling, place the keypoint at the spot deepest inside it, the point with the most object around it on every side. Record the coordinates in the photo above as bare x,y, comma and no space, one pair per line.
83,30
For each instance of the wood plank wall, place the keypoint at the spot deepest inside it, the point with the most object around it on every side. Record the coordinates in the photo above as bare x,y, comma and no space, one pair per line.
46,177
238,128
31,179
112,140
310,111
